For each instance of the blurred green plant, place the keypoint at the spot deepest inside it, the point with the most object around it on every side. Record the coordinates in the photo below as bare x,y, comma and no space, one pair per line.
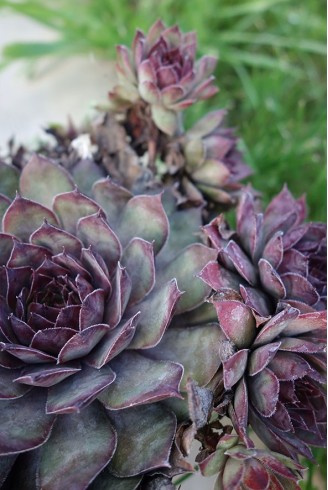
271,74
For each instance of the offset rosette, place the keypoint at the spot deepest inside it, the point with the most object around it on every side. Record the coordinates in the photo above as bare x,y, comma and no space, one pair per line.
88,287
274,375
161,70
240,468
213,166
272,258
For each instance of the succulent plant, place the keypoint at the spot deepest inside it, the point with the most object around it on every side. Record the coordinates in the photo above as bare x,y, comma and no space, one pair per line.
88,290
272,258
161,71
239,467
268,287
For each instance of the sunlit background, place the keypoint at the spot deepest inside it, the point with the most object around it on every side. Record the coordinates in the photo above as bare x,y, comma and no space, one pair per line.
57,62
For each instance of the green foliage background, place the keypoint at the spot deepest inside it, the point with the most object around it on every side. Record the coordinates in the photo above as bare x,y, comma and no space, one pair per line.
271,73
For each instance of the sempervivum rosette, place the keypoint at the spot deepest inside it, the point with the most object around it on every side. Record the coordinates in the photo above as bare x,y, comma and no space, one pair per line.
271,258
213,166
241,468
88,287
273,375
161,71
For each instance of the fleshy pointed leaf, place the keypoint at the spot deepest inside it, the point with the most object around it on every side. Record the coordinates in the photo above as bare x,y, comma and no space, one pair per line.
8,389
264,392
166,120
112,198
306,323
56,240
274,327
234,368
140,380
237,322
155,316
42,180
261,357
78,391
144,217
23,430
82,343
71,206
138,259
9,180
81,445
23,217
271,280
47,375
145,435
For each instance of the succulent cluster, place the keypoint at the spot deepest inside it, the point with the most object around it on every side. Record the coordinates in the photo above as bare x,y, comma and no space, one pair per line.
130,325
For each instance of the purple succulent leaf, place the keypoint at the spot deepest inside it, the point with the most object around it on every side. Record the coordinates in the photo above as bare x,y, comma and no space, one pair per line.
56,240
260,357
16,279
146,73
155,315
182,105
95,264
232,475
83,287
241,409
207,124
302,346
106,481
240,262
270,280
257,300
113,343
144,217
8,389
167,76
22,331
205,90
73,266
212,172
300,289
280,464
234,368
172,35
282,209
27,354
294,261
138,259
115,306
217,277
150,92
80,446
85,172
255,476
194,151
9,180
138,47
217,146
305,323
23,430
281,418
141,381
237,322
4,205
214,463
78,391
92,309
196,348
25,254
166,120
24,216
71,206
288,366
145,436
154,33
274,327
42,180
46,375
69,315
112,198
185,268
294,235
172,94
200,403
125,63
6,247
82,343
264,391
274,251
51,340
93,230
